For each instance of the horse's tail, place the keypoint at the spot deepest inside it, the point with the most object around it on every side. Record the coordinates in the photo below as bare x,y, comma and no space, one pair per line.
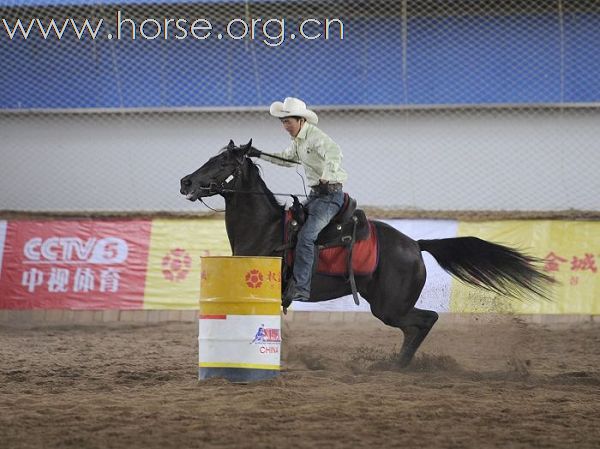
494,267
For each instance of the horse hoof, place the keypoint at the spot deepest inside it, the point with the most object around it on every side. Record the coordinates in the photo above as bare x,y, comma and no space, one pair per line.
404,364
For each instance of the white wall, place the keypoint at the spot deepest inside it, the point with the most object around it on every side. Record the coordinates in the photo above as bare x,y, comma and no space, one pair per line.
430,160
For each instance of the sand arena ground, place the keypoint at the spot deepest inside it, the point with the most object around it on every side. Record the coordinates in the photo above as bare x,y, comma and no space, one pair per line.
483,381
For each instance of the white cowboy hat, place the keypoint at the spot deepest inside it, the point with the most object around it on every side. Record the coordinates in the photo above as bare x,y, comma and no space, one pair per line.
293,107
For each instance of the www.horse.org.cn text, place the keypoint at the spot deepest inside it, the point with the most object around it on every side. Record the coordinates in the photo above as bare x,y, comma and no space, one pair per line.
270,31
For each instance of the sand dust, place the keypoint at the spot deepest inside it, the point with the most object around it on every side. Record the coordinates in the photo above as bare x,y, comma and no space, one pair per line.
489,382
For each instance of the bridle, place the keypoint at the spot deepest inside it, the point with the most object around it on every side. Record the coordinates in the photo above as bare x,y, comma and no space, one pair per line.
219,188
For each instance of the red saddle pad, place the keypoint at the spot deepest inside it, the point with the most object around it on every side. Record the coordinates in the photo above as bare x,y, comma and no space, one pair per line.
333,261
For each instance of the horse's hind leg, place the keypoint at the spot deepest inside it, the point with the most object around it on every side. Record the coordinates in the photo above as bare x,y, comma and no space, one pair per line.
415,325
395,287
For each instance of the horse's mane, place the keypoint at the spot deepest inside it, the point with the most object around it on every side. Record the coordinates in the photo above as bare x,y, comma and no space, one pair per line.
255,170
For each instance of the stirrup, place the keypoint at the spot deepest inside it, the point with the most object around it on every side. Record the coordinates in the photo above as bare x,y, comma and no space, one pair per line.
291,294
286,298
289,288
286,301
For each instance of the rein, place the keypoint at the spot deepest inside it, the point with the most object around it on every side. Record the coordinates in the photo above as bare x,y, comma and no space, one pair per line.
262,193
281,159
219,189
222,190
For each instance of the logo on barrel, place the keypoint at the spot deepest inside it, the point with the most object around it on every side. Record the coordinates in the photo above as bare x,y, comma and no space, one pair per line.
176,265
266,335
254,278
267,339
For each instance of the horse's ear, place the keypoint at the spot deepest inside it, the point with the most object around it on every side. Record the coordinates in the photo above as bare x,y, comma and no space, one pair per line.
231,145
245,148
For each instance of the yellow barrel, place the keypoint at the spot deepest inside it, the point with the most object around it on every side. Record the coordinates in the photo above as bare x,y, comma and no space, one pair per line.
239,325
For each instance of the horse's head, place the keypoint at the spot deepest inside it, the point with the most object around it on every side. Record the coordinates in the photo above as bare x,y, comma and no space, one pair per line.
216,174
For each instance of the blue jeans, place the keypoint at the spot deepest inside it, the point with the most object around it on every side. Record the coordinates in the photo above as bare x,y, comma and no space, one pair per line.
321,209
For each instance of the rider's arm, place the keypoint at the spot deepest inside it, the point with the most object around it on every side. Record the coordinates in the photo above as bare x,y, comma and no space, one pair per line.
288,153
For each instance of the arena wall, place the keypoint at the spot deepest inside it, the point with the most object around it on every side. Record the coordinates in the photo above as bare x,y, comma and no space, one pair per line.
519,160
437,105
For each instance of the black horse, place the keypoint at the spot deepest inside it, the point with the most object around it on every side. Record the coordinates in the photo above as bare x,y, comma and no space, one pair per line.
253,219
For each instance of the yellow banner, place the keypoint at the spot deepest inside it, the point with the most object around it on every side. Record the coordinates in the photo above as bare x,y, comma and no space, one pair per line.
176,245
571,253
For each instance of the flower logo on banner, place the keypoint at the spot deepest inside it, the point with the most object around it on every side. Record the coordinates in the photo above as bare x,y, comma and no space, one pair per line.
176,265
254,278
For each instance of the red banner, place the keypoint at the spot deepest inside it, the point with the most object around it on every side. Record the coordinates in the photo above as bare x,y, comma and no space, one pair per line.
75,264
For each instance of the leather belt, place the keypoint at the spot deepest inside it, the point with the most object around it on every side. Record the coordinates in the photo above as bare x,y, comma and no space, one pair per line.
331,187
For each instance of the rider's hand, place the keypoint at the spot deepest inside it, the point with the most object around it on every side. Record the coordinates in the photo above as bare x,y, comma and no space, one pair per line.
253,152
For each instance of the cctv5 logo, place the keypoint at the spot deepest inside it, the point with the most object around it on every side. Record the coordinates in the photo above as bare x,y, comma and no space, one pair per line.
110,250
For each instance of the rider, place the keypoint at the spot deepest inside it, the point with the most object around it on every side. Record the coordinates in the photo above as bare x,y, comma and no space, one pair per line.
321,158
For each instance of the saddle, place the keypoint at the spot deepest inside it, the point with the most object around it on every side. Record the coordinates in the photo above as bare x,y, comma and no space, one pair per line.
348,226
